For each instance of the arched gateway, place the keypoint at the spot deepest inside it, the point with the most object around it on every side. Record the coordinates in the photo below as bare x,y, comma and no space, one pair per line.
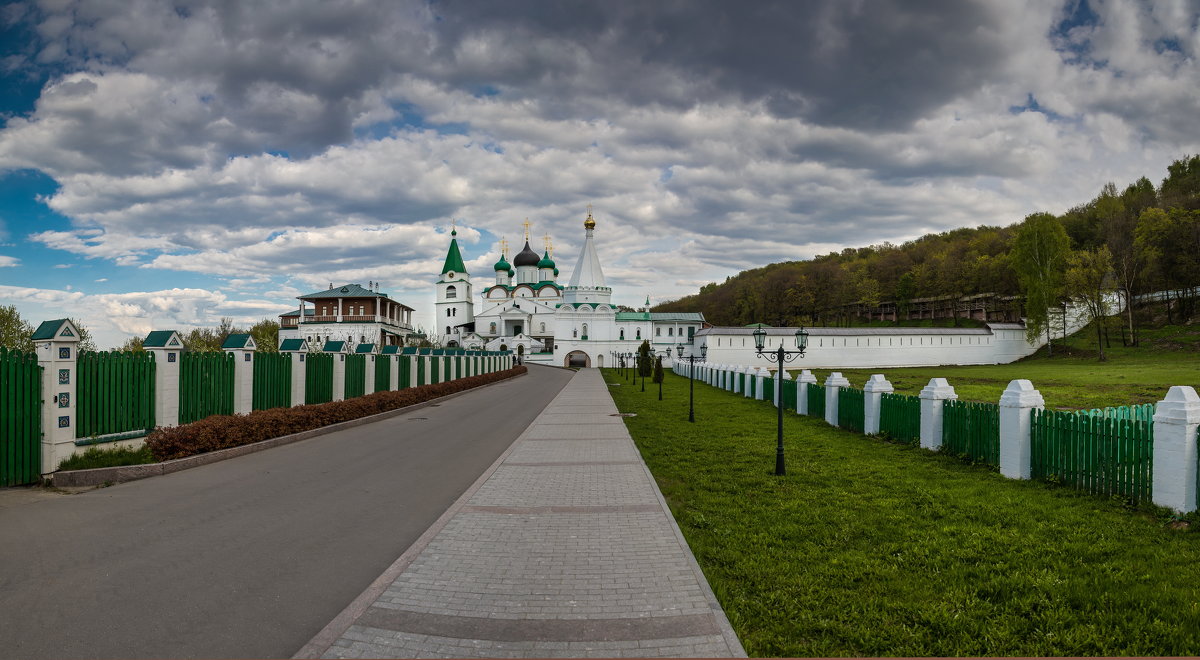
577,359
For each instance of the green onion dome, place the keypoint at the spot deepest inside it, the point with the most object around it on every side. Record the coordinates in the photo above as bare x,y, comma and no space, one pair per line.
546,261
502,264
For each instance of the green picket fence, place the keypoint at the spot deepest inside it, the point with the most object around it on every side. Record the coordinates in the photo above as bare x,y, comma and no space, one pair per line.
20,418
405,367
1142,413
768,393
816,400
789,395
422,379
850,409
114,393
356,373
318,378
900,417
972,429
1101,454
435,369
383,373
205,385
272,381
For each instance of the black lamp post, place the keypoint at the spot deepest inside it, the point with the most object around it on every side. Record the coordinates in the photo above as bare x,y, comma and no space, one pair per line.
691,377
779,356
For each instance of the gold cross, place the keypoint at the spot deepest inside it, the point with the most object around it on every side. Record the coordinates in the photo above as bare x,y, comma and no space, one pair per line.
546,242
526,230
504,247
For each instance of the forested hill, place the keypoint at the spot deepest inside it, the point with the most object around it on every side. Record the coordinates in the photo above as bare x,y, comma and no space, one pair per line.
1145,238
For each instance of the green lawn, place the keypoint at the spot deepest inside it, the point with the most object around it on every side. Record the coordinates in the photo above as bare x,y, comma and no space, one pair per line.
872,548
1168,356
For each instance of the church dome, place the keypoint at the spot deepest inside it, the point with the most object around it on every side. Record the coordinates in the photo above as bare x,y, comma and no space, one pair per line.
526,257
546,261
502,264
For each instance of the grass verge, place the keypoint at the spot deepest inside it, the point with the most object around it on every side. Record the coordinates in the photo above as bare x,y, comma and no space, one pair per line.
98,457
873,548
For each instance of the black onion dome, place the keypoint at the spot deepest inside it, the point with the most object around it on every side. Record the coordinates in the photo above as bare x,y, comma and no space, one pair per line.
526,257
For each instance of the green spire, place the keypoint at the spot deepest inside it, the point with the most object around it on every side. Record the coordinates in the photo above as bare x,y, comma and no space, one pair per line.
454,260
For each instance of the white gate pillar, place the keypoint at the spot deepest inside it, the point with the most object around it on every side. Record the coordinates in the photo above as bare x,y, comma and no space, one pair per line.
932,395
1018,400
1176,419
166,346
805,379
56,343
873,393
833,383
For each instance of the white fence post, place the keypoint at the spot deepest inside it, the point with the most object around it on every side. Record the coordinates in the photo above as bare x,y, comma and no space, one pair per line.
737,378
242,346
873,393
1018,400
760,377
932,395
835,382
1176,419
339,375
751,379
56,344
805,378
167,347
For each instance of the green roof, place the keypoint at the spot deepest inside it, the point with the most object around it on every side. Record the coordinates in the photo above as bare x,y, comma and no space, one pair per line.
390,350
546,261
333,346
345,291
159,339
454,260
664,317
48,329
236,340
503,264
292,345
365,348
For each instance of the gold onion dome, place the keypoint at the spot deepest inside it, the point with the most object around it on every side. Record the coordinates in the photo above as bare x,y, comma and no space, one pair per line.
589,223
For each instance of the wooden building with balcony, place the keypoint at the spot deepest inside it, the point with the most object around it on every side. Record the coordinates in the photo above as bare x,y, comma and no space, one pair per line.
350,313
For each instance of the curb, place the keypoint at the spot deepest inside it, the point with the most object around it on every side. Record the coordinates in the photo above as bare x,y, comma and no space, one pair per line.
123,473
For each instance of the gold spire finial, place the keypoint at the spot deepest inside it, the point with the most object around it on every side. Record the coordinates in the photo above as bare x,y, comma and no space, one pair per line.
504,247
589,223
526,230
546,242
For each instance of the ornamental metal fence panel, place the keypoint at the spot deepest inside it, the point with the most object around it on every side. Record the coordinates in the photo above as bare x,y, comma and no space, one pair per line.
20,418
272,381
205,385
972,429
900,417
318,378
114,393
356,373
1103,454
850,409
816,400
383,373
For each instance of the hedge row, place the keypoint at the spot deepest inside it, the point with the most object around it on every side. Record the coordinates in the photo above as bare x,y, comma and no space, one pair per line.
225,431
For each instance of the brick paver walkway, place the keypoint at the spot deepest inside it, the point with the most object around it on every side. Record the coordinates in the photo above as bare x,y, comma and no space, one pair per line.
565,548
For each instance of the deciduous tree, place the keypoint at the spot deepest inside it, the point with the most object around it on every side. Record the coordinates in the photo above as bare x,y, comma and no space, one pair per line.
1088,281
15,332
1039,254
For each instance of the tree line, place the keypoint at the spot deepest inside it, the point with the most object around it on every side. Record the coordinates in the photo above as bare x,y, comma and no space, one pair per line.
1128,241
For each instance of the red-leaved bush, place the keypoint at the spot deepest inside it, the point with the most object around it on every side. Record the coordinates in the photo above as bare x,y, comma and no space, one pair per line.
225,431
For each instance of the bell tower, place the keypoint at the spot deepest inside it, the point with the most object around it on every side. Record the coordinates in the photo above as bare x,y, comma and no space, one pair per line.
455,303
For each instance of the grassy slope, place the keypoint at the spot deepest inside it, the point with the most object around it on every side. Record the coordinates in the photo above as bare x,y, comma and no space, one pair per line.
874,548
1168,356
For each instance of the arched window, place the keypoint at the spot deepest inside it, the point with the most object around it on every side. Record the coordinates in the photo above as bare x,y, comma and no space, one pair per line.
639,333
448,313
543,327
670,332
451,292
584,329
658,332
574,333
493,327
622,334
447,329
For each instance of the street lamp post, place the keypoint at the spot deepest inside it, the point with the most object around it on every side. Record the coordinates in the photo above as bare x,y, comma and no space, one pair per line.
691,377
779,356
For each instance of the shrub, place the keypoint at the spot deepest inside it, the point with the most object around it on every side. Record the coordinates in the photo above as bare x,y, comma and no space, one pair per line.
225,431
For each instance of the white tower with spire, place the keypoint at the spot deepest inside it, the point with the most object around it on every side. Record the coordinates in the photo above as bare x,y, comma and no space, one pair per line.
587,280
454,307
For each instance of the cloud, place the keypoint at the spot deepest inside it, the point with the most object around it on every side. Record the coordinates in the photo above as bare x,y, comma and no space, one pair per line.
9,262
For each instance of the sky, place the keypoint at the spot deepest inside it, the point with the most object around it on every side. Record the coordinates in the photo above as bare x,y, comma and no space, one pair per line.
167,164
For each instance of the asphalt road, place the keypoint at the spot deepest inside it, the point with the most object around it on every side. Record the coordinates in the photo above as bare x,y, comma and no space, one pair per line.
252,556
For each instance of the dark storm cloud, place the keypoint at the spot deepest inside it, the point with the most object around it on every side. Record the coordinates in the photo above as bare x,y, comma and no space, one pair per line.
874,66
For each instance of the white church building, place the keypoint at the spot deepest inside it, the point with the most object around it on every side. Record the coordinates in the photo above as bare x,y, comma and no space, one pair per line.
526,310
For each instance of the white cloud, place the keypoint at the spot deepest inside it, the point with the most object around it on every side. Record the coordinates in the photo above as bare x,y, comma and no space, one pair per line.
9,262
